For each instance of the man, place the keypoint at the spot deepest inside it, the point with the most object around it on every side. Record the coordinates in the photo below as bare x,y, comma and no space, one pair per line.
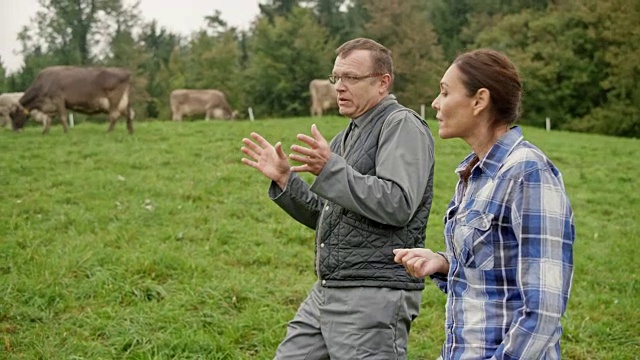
372,192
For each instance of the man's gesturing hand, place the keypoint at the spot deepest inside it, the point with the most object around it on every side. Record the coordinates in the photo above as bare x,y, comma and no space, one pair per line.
268,159
313,157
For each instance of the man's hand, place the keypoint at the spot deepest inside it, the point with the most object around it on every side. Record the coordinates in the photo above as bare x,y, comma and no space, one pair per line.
313,157
421,262
268,159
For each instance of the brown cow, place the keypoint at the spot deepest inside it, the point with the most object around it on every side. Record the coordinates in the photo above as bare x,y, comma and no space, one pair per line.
87,90
210,103
323,96
9,102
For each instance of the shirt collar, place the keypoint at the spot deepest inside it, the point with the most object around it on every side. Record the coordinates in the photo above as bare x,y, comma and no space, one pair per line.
362,119
498,153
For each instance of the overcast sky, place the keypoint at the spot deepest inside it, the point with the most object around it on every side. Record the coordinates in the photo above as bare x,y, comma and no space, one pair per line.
180,16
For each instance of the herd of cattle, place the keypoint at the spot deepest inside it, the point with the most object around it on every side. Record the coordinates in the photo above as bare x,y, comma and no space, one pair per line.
91,90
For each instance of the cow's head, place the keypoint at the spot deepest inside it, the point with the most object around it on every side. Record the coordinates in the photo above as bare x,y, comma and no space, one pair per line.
220,113
19,116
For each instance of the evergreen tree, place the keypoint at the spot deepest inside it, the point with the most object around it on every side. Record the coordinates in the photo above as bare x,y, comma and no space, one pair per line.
3,78
284,58
403,27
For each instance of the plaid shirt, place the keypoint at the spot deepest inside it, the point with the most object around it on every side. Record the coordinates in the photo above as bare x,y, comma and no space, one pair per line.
509,237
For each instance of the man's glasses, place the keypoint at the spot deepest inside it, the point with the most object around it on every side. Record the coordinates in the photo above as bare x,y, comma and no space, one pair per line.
351,79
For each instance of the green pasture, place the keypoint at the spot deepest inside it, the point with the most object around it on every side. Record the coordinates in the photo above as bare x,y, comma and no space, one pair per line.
163,245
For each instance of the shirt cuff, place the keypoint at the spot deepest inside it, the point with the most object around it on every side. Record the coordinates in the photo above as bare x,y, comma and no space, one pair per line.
440,279
274,189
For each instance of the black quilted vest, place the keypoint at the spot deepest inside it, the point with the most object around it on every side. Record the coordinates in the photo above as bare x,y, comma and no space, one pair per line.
352,250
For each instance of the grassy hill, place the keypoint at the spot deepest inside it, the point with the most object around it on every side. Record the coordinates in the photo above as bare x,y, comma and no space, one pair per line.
163,245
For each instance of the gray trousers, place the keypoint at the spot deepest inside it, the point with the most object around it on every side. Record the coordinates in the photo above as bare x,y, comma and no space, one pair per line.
351,323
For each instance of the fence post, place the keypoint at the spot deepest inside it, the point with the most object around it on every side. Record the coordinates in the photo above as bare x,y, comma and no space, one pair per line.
71,123
422,111
548,123
250,113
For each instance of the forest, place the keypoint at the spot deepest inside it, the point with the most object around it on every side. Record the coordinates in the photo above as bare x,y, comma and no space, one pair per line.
578,58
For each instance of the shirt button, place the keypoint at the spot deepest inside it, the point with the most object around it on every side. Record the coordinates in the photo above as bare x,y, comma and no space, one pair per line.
324,282
322,245
327,208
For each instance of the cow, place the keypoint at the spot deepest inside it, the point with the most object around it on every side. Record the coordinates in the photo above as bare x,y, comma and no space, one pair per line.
9,102
87,90
208,102
323,96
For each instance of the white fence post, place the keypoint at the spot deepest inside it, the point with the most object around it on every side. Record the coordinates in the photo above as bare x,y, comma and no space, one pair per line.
251,114
71,123
422,108
548,123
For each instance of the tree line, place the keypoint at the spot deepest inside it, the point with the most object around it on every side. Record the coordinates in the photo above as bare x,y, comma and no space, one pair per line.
578,58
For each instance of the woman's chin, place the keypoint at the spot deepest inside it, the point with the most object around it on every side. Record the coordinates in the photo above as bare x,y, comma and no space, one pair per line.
444,134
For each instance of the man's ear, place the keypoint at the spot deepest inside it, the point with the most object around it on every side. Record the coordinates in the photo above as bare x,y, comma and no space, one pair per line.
481,101
385,82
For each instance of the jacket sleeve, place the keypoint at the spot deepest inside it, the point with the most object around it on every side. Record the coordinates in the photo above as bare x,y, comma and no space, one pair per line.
297,200
404,164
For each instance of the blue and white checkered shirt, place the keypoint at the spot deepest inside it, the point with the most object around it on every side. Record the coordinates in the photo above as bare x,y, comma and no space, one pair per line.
509,237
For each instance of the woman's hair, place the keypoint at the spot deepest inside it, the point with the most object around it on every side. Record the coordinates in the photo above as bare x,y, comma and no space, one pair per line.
492,70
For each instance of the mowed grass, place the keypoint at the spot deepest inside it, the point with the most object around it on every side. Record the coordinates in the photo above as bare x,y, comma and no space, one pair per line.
163,245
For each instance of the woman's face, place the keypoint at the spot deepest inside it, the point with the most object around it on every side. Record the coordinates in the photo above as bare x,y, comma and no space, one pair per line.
454,107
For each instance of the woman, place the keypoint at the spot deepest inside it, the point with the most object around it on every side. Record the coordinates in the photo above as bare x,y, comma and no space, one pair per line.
509,229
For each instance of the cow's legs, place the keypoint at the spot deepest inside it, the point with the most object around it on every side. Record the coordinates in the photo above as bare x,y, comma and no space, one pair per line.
130,115
46,123
62,112
113,118
316,111
176,116
208,115
5,120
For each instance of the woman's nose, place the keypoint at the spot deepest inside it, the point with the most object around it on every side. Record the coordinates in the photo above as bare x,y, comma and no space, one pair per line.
434,104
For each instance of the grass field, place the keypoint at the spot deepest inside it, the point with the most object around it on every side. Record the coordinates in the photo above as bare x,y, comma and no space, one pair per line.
162,245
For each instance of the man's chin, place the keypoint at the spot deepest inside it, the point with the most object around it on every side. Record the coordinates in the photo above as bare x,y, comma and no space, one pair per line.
345,112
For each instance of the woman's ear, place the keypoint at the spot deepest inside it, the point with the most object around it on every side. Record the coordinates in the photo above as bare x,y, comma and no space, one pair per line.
481,101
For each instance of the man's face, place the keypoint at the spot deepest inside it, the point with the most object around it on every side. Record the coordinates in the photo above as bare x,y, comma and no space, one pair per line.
358,89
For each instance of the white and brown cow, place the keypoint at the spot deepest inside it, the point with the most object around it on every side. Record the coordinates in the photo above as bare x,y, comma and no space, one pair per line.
208,102
323,96
87,90
9,102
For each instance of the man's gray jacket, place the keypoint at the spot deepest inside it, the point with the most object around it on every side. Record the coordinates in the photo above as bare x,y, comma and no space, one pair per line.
373,195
